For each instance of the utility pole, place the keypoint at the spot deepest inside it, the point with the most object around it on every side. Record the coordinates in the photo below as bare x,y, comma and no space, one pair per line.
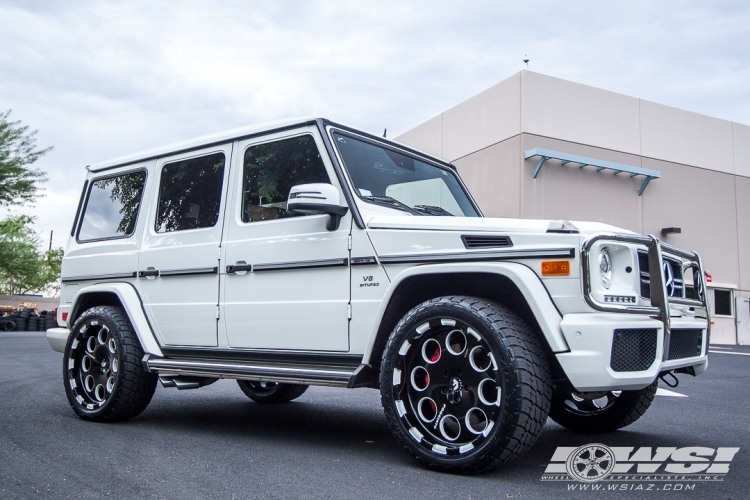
50,238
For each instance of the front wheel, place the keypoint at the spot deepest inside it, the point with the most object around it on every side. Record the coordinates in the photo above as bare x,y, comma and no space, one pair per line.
600,412
465,384
102,371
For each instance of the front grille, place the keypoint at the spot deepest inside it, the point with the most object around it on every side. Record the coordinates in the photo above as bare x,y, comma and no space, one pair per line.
633,350
477,241
675,285
685,344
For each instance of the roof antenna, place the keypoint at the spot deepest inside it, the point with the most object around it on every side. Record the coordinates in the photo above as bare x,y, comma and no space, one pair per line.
384,131
526,60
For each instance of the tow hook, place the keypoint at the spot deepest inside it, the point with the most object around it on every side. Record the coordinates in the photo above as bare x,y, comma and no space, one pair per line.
663,377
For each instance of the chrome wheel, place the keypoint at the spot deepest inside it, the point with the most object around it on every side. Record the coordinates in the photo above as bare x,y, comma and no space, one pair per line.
447,386
93,364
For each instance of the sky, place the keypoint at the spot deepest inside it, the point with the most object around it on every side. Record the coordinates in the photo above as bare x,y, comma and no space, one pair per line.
101,79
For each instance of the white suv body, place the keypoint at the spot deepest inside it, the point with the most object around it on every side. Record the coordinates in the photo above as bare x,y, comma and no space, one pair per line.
222,274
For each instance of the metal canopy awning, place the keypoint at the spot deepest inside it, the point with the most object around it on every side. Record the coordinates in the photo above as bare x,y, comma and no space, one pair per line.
618,168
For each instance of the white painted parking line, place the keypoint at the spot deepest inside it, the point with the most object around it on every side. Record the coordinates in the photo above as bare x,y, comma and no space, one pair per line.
717,347
667,392
737,353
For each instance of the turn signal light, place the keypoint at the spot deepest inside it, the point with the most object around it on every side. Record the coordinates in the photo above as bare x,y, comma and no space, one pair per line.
556,268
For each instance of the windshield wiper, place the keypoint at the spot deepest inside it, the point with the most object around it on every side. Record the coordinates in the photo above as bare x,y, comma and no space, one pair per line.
433,210
387,201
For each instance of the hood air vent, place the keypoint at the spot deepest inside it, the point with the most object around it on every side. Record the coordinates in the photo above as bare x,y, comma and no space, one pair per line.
473,241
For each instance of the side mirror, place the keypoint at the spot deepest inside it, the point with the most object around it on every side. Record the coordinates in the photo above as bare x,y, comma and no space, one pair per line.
317,199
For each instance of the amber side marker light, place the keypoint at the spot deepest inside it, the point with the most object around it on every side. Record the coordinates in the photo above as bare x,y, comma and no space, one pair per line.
556,268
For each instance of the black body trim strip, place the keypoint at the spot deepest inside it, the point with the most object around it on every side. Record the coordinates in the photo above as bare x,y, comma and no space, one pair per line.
541,253
302,264
363,261
340,173
350,361
80,205
189,272
100,277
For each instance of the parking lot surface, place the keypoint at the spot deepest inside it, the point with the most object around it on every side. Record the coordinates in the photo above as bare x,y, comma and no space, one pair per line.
213,442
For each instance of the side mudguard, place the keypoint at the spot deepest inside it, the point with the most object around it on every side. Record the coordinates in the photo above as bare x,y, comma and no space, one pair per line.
528,283
131,302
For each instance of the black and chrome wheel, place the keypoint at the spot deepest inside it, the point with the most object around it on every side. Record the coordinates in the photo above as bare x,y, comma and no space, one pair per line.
464,384
271,392
604,411
102,372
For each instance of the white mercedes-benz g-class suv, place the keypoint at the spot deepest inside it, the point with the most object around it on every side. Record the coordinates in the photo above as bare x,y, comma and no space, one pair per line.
310,253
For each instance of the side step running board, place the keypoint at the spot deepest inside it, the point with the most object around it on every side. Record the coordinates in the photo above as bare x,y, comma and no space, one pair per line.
335,376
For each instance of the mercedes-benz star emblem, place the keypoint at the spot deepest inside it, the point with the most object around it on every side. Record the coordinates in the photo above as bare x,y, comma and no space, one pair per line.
668,278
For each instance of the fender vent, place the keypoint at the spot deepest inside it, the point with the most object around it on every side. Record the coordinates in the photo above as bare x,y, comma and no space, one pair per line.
474,241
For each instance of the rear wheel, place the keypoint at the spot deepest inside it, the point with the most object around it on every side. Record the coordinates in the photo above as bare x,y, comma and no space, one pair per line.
465,384
599,412
271,392
102,371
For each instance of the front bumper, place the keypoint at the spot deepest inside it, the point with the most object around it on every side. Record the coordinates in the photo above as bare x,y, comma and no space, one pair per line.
589,364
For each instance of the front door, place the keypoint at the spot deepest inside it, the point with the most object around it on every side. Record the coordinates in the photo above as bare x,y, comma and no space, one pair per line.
295,294
743,320
179,261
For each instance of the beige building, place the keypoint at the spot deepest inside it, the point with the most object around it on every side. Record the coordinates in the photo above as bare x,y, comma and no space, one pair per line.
593,152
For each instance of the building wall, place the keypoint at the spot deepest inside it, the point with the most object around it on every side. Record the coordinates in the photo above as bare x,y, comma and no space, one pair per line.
704,163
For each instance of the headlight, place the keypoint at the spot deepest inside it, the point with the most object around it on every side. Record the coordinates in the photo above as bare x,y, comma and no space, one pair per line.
605,266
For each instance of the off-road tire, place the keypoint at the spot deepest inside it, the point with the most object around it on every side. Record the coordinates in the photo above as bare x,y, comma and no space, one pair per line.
271,393
522,376
621,409
120,355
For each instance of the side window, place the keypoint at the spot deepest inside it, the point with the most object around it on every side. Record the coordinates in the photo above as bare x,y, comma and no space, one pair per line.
112,207
722,302
270,170
190,193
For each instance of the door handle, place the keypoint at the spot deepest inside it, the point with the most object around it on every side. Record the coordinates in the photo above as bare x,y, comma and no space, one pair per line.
150,273
240,267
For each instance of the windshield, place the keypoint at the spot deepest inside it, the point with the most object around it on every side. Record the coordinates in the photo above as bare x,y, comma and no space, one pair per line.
385,177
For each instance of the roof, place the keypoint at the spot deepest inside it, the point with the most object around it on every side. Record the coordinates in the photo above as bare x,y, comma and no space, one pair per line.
206,140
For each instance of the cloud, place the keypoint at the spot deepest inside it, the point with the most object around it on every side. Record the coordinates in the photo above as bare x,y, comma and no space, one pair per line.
103,79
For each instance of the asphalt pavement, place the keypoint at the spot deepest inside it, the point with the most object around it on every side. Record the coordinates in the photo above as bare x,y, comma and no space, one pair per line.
214,443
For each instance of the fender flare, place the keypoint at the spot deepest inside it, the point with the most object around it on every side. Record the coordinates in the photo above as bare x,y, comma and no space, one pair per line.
131,302
527,281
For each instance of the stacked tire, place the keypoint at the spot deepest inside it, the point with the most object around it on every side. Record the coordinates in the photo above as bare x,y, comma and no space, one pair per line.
28,320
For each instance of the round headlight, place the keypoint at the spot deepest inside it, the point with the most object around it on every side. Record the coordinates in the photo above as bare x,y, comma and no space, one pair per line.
605,266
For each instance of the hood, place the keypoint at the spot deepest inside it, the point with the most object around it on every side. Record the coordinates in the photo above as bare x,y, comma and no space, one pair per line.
476,224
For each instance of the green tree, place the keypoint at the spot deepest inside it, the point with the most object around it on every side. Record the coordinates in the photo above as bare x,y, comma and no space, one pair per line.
19,183
23,268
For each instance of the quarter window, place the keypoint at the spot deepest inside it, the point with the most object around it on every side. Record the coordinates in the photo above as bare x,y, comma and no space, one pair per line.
270,170
112,207
190,193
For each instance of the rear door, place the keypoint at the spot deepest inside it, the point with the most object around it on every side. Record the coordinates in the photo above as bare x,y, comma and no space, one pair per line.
296,294
179,260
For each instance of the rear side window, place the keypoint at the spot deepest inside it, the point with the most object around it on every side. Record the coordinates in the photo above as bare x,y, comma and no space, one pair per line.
112,207
271,169
190,193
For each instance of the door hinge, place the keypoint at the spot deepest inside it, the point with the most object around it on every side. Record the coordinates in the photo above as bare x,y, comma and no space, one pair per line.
349,311
217,312
350,242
